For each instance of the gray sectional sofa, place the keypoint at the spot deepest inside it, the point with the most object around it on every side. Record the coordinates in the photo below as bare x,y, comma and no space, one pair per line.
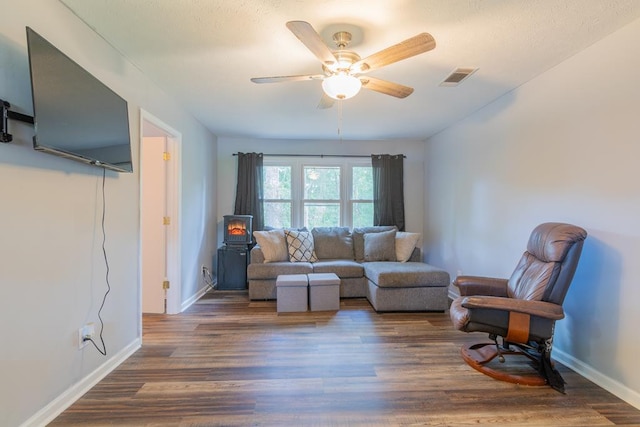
378,263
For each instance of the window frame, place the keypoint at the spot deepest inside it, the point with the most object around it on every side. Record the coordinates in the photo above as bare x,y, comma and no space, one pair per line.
298,165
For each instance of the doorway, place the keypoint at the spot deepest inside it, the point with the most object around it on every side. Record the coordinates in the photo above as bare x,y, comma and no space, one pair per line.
159,216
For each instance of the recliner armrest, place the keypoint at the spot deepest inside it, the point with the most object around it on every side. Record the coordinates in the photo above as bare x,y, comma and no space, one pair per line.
543,309
477,285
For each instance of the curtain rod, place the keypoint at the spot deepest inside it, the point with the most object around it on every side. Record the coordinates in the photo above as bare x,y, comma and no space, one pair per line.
320,155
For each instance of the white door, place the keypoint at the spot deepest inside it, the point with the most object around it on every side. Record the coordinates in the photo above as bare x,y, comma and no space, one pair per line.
153,176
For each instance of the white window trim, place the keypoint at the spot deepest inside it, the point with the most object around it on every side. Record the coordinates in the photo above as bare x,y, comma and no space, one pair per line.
298,164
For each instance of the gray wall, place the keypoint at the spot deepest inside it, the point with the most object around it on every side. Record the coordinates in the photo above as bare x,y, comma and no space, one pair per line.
51,266
563,147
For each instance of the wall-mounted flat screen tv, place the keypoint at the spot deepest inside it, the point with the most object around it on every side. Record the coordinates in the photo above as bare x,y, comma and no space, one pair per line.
76,116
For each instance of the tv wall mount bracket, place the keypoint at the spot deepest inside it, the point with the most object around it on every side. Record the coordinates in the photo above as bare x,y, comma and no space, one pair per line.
7,114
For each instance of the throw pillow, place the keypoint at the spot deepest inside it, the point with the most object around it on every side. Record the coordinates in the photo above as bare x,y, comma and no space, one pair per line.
380,246
273,245
405,243
300,246
358,238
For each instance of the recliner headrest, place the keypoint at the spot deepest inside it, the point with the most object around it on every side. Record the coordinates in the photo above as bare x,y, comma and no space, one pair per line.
550,241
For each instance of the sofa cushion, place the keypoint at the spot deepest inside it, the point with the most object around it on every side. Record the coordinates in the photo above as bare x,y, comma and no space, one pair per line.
405,244
333,242
358,238
380,246
300,246
273,245
271,270
405,274
341,267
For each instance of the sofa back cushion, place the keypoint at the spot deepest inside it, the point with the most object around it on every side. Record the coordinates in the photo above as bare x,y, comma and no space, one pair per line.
333,242
358,238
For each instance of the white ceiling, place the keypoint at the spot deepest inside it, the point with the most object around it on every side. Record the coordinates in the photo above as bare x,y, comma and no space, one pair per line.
203,53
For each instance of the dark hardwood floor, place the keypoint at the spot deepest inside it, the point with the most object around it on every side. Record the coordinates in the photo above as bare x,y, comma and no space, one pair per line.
228,361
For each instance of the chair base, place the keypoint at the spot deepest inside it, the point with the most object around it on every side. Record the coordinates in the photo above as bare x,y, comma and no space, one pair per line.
478,357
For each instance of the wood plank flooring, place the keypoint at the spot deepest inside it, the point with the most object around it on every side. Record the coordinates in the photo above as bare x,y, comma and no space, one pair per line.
229,361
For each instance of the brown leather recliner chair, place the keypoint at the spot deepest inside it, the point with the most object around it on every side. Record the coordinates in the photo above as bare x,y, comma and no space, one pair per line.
523,309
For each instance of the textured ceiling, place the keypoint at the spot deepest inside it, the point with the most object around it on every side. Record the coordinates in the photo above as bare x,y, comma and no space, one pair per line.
203,53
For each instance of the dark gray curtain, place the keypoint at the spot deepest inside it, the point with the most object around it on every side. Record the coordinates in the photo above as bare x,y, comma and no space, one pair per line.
388,190
249,193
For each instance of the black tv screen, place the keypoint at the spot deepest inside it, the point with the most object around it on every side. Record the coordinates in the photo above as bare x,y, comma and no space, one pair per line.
76,116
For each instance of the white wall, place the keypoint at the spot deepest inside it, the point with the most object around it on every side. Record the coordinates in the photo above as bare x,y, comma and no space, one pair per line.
413,167
51,266
563,147
199,207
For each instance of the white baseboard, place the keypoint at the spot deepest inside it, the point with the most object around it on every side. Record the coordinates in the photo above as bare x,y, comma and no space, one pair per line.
73,393
612,386
188,303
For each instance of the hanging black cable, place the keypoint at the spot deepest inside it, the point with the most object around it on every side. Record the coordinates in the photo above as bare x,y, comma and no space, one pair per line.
103,350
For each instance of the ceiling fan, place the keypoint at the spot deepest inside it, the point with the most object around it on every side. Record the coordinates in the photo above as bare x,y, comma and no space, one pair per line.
344,72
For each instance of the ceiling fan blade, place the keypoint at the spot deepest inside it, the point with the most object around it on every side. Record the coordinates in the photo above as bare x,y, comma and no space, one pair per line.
312,40
325,102
388,88
278,79
416,45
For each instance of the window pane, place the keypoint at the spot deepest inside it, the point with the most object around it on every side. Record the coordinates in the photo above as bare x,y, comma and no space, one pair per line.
277,182
323,203
362,183
277,214
321,183
362,214
321,215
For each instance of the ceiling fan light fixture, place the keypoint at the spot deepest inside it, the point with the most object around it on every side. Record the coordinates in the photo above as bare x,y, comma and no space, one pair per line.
341,86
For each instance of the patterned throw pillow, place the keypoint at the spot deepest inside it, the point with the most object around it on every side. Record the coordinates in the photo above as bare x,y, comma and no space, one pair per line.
300,246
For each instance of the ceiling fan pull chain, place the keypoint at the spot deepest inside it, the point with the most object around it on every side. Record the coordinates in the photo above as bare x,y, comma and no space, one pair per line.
340,119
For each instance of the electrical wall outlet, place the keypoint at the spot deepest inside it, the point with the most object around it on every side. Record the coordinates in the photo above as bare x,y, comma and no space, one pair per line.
85,333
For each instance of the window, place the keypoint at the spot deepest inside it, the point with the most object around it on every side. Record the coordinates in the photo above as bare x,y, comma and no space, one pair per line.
361,196
277,196
321,199
317,193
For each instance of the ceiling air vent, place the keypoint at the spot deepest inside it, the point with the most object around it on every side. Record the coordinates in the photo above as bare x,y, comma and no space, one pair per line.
457,76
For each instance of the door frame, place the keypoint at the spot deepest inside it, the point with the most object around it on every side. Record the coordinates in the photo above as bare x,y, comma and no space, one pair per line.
174,208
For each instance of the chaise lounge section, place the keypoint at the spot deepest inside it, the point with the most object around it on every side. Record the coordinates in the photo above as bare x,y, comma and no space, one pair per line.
377,263
409,286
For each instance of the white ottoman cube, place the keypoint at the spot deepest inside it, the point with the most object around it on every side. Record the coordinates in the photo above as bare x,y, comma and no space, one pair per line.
291,292
324,291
